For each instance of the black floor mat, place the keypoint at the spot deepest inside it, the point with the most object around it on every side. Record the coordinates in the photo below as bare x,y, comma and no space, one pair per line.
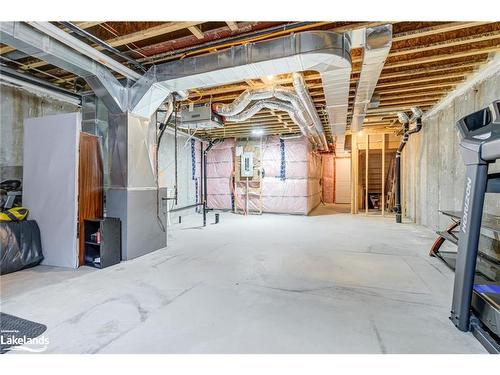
13,329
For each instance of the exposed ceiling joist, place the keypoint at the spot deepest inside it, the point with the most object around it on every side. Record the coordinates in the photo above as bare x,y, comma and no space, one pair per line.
165,28
232,25
195,30
443,57
438,29
449,43
427,61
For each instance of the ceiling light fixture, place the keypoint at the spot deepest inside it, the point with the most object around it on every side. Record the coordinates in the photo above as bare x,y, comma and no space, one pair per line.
258,131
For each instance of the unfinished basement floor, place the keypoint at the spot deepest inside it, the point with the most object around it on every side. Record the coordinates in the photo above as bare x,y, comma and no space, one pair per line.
327,283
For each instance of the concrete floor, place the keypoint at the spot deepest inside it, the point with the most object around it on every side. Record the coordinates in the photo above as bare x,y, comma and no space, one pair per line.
327,283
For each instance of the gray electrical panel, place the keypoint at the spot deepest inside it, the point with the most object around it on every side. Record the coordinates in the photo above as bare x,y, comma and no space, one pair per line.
246,169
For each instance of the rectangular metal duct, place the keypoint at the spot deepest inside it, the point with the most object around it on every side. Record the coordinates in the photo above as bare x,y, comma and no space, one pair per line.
325,52
33,84
132,194
37,44
377,44
83,48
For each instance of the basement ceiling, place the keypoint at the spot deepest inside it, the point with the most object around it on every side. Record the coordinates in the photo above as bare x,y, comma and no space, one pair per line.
427,60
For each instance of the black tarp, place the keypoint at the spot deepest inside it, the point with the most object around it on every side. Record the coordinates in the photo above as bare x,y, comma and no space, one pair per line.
20,245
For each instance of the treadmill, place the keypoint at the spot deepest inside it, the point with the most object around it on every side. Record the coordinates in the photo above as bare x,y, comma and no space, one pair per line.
476,300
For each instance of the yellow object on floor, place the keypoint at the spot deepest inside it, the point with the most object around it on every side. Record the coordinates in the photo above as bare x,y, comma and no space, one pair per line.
14,214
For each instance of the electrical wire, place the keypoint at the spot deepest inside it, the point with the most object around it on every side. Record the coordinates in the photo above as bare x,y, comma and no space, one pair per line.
113,31
236,40
158,143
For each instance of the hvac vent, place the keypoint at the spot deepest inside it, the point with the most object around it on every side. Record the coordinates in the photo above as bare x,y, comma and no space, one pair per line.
200,117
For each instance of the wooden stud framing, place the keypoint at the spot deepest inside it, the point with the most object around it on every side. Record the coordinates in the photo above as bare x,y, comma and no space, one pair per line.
384,138
366,172
354,174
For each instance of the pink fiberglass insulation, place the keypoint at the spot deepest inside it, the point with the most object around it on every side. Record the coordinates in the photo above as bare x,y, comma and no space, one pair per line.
314,177
328,178
197,171
220,168
296,191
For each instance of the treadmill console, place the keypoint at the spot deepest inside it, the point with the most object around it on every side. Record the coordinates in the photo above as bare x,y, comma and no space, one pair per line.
475,123
480,133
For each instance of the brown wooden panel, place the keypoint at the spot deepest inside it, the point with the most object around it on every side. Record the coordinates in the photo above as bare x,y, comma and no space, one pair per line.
90,184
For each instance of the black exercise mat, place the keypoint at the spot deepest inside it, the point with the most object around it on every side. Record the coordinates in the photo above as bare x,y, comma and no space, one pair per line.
13,328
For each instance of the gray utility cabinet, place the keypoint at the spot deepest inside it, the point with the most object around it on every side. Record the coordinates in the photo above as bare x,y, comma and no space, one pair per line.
104,249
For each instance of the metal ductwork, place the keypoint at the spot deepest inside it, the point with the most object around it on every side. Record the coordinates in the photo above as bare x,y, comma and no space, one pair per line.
241,102
277,105
131,108
13,78
325,52
253,109
303,93
288,101
86,50
336,89
377,44
42,46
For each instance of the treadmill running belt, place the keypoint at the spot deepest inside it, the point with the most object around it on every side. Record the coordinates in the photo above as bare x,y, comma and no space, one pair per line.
493,289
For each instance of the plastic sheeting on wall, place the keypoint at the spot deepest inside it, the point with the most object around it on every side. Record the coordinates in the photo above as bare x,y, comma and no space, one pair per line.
188,169
220,168
314,177
328,178
296,191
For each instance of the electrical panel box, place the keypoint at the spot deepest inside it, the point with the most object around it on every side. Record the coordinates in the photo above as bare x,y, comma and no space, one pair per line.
246,169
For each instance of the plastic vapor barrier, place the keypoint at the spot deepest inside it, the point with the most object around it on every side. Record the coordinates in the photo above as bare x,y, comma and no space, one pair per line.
188,169
328,178
220,166
291,182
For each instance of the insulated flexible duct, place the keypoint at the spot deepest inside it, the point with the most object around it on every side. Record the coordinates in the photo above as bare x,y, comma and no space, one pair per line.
279,106
303,93
241,109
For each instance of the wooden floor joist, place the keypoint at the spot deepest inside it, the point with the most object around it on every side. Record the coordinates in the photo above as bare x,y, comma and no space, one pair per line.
427,60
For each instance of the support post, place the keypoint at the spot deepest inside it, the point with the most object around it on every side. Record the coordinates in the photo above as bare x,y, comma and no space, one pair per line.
384,136
354,174
366,173
205,195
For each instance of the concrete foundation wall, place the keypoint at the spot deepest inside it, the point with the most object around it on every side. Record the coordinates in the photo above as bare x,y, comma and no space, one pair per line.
433,171
16,105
